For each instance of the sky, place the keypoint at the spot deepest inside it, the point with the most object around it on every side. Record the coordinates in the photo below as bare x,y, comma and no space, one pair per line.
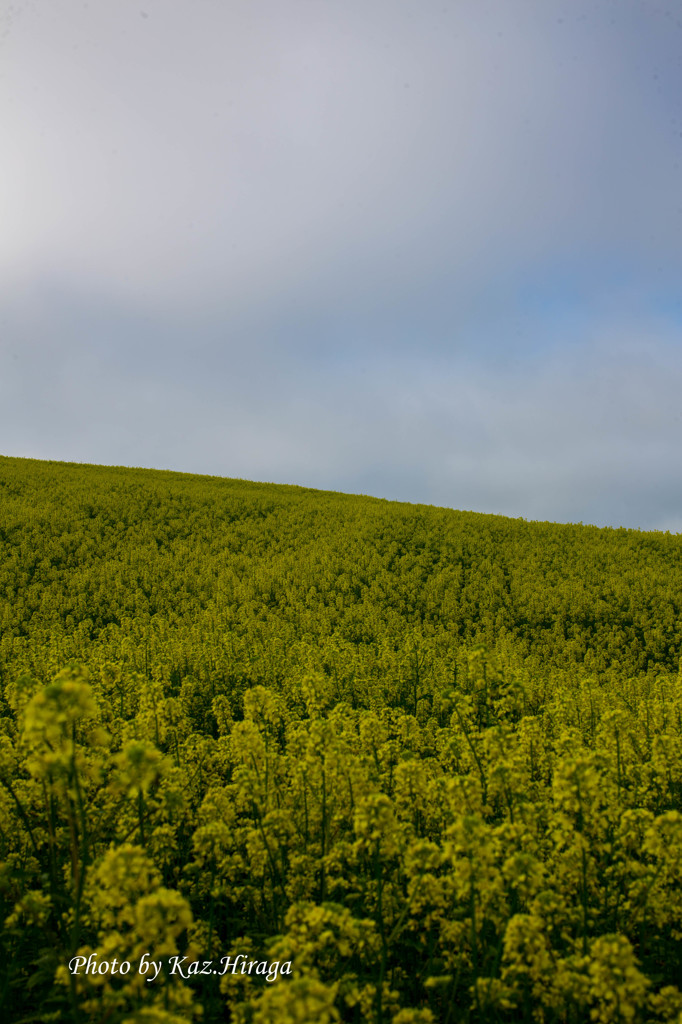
427,251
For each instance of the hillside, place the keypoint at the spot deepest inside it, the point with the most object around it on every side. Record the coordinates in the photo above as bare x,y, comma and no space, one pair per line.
429,757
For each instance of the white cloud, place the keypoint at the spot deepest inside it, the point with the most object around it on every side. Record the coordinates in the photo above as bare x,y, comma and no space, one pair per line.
588,432
297,242
236,153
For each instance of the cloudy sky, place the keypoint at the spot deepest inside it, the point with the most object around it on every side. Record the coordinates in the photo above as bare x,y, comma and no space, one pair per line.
429,251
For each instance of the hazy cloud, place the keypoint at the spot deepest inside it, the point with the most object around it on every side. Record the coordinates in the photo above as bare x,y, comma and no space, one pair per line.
428,251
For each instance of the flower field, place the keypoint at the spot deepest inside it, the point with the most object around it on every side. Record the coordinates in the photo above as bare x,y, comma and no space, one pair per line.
427,762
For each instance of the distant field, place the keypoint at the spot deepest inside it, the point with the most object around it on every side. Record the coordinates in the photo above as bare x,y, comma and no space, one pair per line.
429,762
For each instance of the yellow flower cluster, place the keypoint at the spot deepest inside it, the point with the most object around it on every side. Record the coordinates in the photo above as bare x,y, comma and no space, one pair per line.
540,881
